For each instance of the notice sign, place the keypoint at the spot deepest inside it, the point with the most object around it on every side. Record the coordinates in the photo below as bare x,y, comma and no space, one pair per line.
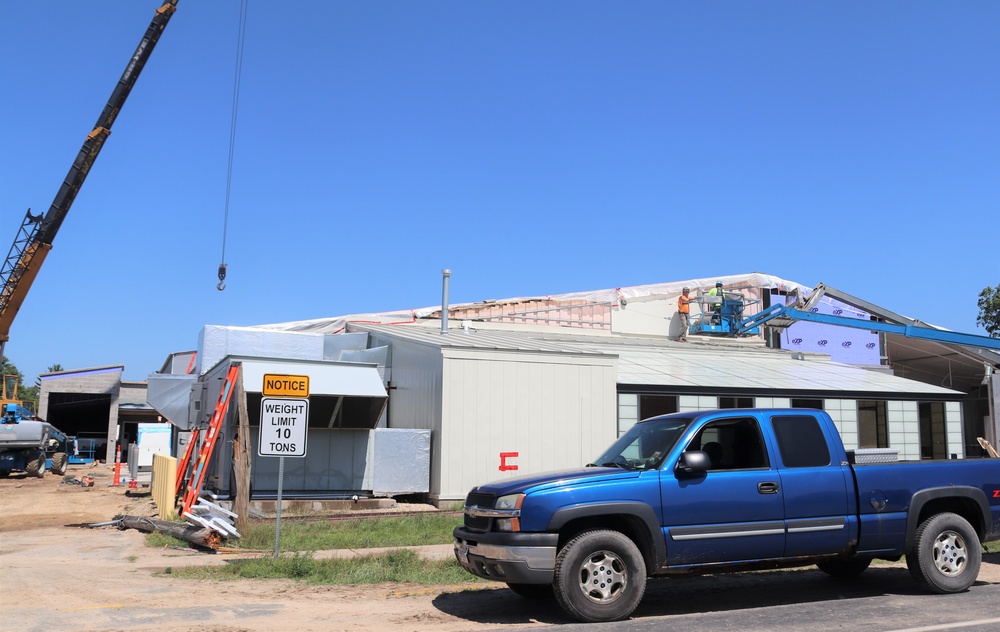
285,386
283,425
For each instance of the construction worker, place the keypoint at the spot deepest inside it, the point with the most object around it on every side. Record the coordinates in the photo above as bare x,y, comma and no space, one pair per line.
684,311
716,303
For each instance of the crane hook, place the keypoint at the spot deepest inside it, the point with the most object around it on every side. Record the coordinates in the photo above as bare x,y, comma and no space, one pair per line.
222,277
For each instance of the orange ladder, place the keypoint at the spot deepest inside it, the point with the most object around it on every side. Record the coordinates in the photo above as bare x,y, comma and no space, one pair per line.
197,477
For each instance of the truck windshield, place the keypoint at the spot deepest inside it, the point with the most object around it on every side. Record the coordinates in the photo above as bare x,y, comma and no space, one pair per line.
644,446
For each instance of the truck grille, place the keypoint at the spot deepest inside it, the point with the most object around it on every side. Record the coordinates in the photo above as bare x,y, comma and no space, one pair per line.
477,523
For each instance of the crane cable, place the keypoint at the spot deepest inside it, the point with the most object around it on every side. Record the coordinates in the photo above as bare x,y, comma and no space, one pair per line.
241,39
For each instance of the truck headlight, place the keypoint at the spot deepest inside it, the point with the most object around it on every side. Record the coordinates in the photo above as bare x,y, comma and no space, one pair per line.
511,505
511,501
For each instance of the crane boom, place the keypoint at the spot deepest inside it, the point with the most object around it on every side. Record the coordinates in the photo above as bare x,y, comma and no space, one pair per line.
34,240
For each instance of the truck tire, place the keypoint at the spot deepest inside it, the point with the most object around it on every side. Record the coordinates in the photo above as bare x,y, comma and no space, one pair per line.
535,592
599,576
60,461
36,466
945,555
845,568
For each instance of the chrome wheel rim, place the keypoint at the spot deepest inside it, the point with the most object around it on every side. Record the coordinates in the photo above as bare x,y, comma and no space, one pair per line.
603,577
951,554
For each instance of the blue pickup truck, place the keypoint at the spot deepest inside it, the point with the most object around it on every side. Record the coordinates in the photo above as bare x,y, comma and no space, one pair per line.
723,491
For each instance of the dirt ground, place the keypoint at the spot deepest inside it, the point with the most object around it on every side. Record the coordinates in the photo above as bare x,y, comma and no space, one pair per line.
68,576
74,577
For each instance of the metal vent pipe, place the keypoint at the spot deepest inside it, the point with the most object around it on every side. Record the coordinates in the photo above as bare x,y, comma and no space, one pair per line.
445,276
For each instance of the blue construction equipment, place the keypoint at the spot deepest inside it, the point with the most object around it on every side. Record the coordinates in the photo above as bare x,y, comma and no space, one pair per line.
31,445
804,310
722,315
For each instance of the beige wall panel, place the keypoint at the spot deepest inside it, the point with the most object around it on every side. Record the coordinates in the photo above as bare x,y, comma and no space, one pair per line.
554,412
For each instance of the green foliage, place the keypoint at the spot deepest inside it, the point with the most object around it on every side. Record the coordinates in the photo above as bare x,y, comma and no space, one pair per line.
402,565
989,311
27,394
360,533
301,539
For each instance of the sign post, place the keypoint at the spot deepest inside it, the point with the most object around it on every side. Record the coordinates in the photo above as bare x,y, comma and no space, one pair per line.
284,423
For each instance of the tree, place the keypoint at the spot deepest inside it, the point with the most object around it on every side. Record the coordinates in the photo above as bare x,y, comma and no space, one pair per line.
989,311
24,393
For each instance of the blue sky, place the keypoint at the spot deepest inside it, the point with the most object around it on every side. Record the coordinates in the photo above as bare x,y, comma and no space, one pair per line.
531,147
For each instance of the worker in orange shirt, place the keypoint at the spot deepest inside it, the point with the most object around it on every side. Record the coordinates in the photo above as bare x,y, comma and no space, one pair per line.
684,311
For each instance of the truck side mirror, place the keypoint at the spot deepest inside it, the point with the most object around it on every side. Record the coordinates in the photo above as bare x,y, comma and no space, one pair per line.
693,462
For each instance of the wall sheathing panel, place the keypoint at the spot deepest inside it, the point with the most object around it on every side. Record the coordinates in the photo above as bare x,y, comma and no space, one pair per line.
651,318
554,411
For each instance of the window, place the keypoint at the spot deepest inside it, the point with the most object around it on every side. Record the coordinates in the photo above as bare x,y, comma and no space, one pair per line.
644,446
872,426
735,402
732,444
808,403
933,434
800,441
654,405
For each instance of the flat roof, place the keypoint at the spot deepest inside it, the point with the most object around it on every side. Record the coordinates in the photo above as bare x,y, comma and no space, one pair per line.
702,364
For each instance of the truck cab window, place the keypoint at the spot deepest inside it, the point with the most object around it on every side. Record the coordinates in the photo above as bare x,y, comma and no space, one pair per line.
645,444
732,444
800,441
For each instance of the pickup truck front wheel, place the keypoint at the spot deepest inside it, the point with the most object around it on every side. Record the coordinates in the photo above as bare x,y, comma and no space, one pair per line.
946,554
599,576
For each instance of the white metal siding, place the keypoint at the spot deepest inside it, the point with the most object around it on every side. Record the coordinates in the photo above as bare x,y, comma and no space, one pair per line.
555,411
415,395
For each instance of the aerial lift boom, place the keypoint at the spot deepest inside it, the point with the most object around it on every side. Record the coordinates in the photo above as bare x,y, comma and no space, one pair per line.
785,315
35,237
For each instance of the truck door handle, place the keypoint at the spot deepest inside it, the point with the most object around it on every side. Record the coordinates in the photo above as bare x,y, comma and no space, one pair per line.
767,488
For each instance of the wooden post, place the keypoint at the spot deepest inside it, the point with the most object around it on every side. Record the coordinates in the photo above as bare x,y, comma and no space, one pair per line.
241,459
201,536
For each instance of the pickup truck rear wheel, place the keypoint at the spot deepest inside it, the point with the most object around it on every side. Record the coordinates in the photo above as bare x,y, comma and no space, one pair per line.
946,554
599,576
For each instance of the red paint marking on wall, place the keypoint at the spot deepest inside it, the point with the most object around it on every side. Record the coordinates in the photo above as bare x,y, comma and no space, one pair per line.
504,466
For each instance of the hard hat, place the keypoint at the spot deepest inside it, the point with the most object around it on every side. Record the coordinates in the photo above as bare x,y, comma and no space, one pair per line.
718,283
687,289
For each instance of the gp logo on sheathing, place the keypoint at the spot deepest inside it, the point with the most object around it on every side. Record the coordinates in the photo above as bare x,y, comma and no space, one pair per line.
870,345
822,343
846,344
796,341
